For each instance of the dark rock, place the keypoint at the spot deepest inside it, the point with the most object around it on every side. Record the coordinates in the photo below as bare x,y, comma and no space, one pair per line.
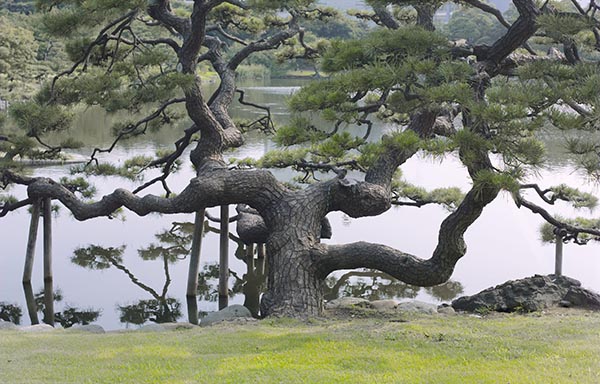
583,298
526,295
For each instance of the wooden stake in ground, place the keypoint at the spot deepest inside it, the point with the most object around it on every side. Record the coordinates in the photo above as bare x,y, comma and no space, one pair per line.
261,261
48,288
224,258
29,257
192,285
558,257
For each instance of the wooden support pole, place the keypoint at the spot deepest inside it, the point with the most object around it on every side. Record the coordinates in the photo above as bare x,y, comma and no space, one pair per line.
559,254
251,286
261,262
48,288
250,258
224,258
29,257
192,284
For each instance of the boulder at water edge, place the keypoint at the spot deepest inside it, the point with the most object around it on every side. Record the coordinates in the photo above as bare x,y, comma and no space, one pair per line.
232,312
526,295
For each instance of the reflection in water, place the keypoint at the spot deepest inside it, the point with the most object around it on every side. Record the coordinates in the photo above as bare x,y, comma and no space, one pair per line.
450,290
165,310
70,315
251,284
491,259
174,245
374,285
10,312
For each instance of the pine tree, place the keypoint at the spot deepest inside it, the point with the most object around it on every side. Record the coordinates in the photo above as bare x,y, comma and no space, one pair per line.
484,104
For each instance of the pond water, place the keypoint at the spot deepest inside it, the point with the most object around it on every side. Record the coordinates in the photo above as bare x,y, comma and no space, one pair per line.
503,244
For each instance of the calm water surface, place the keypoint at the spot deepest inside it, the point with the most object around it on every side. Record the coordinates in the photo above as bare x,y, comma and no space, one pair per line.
503,244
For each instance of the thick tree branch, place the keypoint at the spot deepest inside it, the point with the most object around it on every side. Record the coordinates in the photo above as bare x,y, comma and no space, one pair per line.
383,169
518,34
405,267
6,208
381,16
160,10
213,187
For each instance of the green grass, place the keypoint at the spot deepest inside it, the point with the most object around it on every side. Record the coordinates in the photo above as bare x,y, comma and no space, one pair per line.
557,348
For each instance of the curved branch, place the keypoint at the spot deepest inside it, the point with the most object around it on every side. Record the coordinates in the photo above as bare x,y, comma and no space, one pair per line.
132,129
518,34
213,187
230,36
384,17
10,207
160,10
218,219
267,125
489,9
134,279
269,43
573,231
158,41
101,39
406,267
541,192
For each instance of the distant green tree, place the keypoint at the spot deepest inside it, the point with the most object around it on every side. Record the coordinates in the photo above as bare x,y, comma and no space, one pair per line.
18,50
474,25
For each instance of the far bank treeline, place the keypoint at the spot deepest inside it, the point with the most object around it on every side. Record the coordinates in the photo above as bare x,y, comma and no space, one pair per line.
480,99
29,55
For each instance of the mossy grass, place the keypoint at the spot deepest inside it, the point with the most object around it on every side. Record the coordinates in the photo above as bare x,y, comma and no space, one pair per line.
556,347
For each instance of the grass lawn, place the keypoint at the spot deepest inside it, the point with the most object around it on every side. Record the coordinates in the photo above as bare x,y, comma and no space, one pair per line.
556,347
